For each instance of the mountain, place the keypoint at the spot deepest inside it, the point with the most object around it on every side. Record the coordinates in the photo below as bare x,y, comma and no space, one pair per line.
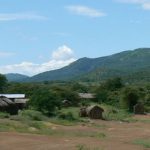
122,64
15,77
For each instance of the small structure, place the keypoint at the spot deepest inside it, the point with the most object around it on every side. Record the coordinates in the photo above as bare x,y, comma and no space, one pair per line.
139,109
11,103
6,105
83,112
86,95
95,112
66,103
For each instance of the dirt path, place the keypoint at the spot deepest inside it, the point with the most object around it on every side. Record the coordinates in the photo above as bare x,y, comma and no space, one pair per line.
119,136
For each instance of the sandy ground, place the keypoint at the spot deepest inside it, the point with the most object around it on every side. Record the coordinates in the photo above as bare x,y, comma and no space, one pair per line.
119,136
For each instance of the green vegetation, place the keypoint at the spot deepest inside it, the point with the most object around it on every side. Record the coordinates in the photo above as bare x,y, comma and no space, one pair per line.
15,77
144,142
3,82
130,98
45,101
4,115
125,65
116,95
83,147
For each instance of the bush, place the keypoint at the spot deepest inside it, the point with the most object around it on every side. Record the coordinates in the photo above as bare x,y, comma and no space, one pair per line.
32,115
4,115
67,116
113,113
130,97
45,101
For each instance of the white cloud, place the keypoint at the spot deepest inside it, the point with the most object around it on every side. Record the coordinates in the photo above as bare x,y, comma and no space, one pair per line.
5,54
62,53
21,16
85,11
61,57
145,4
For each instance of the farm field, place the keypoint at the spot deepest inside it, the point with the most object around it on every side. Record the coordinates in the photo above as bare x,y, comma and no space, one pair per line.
93,135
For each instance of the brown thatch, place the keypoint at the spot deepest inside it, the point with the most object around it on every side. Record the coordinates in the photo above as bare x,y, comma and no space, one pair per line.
94,112
139,109
7,105
83,112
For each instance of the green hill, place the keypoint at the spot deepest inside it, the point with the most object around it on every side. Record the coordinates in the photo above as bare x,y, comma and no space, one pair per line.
15,77
121,64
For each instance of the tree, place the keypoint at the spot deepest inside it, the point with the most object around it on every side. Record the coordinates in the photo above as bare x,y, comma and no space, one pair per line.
113,84
67,94
101,95
3,82
45,101
130,97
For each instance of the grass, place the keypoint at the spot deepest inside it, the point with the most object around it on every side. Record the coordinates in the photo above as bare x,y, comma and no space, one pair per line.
89,134
83,147
116,114
4,115
143,142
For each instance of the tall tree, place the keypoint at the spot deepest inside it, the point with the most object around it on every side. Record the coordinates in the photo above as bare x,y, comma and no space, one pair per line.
3,82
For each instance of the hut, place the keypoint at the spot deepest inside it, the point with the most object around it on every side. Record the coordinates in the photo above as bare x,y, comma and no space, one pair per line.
66,103
19,99
139,109
83,112
94,112
6,105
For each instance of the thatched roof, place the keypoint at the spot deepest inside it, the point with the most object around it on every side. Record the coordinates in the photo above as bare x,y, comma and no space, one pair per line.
4,102
95,112
86,95
94,107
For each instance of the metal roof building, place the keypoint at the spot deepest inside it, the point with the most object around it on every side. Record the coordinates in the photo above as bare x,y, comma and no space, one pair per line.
13,96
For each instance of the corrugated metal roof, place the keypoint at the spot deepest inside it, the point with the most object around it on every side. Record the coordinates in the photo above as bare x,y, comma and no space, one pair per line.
86,95
13,95
21,101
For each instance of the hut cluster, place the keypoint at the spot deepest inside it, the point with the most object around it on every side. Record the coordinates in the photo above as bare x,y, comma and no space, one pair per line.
11,103
93,112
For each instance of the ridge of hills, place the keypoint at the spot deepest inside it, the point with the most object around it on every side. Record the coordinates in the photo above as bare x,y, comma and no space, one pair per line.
126,64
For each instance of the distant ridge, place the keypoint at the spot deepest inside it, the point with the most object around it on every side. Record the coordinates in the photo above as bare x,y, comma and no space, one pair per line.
122,64
15,77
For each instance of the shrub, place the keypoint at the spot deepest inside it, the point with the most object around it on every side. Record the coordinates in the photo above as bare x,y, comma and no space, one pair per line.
32,115
45,101
4,115
130,97
67,116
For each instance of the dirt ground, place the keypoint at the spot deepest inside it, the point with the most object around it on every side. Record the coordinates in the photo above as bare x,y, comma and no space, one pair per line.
119,136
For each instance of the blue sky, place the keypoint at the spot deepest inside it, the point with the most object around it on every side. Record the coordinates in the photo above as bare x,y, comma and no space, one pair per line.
41,35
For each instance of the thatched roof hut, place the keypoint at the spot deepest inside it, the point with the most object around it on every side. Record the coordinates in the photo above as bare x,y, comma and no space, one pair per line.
95,112
7,105
5,102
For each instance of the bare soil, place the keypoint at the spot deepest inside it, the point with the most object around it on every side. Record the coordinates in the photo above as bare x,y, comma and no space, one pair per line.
119,136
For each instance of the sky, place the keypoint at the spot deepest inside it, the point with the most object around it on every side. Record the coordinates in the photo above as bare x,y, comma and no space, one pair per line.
42,35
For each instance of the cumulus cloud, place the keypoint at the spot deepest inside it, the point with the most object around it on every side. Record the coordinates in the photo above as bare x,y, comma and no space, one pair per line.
62,53
85,11
61,57
145,4
21,16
